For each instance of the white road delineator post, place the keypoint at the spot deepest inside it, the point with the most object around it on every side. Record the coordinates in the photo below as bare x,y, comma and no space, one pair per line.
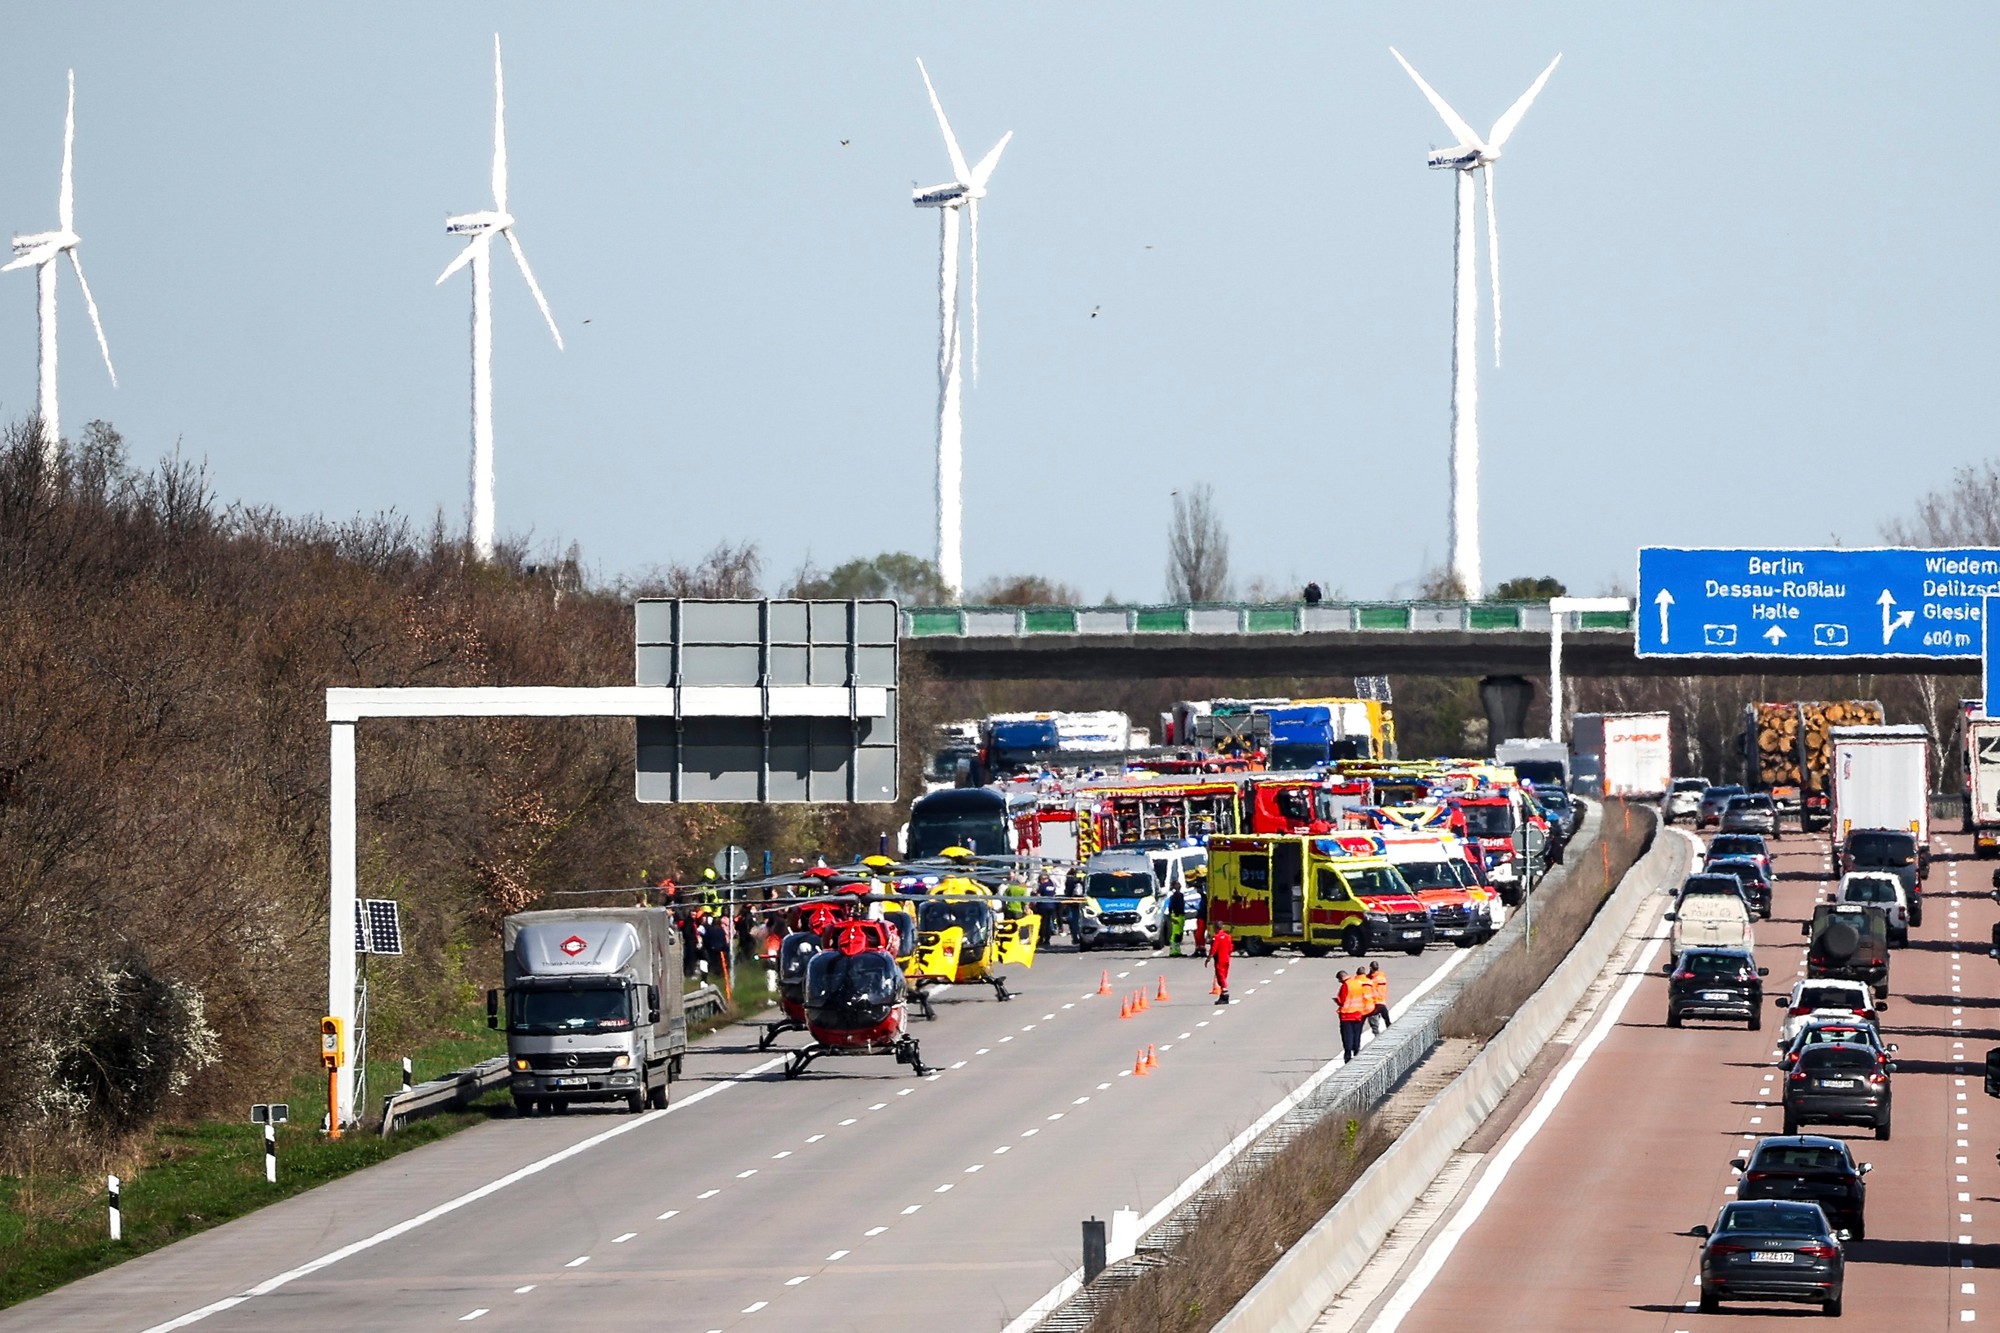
117,1222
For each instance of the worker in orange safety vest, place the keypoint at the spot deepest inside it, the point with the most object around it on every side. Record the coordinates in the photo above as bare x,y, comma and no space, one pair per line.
1356,998
1378,981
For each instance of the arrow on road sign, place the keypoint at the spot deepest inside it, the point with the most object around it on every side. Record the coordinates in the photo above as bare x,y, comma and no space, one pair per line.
1893,621
1663,601
1775,635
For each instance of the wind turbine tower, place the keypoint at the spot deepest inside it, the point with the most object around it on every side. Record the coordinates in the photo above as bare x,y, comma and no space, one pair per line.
1471,153
41,251
480,228
962,193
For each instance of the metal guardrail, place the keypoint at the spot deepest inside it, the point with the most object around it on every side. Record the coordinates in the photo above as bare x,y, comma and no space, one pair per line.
462,1087
1350,1093
1233,618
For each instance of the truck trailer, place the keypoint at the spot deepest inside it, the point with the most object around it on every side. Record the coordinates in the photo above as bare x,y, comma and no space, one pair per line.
1621,755
1982,784
592,1007
1881,780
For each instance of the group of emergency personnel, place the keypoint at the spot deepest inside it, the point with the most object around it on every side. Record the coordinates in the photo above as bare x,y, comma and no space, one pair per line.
1364,1004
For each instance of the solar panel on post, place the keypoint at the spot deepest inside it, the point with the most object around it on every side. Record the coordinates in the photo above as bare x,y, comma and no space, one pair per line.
385,927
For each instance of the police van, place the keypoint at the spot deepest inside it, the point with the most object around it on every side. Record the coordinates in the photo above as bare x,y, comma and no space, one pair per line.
1126,890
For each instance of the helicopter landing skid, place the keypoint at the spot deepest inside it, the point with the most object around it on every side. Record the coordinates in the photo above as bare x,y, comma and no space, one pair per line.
906,1054
905,1051
774,1030
999,984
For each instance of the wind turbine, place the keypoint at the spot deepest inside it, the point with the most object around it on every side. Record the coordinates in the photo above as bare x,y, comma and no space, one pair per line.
964,191
481,228
1470,154
41,251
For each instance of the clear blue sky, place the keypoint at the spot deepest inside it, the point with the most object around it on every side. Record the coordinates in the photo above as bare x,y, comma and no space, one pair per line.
1744,296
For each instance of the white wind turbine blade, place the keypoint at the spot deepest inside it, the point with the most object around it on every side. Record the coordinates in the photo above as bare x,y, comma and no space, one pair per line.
499,133
1505,126
521,258
464,257
66,203
90,304
41,254
1490,171
1452,120
960,172
980,175
984,171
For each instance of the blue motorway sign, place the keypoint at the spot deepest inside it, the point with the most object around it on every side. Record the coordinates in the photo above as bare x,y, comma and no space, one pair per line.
1989,666
1825,603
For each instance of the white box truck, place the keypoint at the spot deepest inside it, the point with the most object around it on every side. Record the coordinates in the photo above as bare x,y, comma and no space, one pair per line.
1982,784
1621,755
1882,780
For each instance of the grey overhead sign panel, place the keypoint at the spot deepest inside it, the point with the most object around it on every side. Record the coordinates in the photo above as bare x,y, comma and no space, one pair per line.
835,750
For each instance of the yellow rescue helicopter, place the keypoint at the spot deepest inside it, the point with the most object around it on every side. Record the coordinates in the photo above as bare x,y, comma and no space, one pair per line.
966,931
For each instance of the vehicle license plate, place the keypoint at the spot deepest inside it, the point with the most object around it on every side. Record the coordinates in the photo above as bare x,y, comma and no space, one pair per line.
572,1083
1715,995
1413,934
1773,1257
1836,1083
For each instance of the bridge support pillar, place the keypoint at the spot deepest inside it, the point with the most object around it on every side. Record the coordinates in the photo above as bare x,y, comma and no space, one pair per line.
1506,700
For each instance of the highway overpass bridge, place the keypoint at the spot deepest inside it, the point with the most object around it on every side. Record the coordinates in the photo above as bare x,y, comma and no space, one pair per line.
1490,639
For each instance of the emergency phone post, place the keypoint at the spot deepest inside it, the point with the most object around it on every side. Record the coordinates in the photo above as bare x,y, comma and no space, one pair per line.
332,1054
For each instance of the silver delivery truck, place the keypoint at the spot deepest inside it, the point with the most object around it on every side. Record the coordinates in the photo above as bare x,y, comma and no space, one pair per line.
592,1008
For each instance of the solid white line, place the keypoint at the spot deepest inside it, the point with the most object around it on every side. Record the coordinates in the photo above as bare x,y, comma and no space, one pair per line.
1068,1287
270,1285
1482,1193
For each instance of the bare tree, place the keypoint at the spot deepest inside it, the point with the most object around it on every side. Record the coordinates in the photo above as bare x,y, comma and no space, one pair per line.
1964,513
1197,549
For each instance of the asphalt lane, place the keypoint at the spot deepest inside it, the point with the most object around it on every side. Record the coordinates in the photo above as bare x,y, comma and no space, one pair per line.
857,1196
1589,1229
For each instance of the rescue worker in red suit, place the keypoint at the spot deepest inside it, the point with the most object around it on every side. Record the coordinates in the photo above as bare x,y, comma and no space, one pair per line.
1220,946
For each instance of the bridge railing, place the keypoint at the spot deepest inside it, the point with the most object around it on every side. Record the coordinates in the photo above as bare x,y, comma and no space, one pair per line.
982,622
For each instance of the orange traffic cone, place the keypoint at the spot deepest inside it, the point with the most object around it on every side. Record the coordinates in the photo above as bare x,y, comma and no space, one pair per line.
1142,999
1163,997
1125,1007
1139,1064
1152,1061
1104,982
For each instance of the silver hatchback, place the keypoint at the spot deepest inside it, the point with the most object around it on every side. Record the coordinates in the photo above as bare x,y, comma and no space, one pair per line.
1752,813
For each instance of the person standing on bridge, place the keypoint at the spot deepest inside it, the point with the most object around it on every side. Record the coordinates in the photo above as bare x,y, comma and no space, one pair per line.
1220,947
1356,998
1378,982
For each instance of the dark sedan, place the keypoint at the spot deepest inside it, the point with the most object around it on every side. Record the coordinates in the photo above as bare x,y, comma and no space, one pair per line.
1809,1169
1716,983
1770,1250
1839,1084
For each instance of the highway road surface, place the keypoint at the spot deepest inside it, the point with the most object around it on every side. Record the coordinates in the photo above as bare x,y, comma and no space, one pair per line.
1587,1229
855,1197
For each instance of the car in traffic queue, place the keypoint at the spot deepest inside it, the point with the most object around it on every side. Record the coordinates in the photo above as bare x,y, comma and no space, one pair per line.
1848,942
1819,1029
1892,850
1809,1168
1811,1000
1714,801
1881,889
1771,1250
1751,845
1755,879
1278,891
1753,812
1711,911
1721,984
1684,799
1839,1083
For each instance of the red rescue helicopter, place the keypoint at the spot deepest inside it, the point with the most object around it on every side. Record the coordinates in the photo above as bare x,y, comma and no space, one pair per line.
856,1000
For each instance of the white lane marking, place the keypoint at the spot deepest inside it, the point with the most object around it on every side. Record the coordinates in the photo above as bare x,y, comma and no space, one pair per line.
1047,1017
745,1175
847,1122
943,1189
982,1050
958,1064
620,1240
1965,1289
1005,1147
781,1156
976,1166
663,1217
911,1209
468,1318
522,1291
1029,1133
270,1285
578,1262
838,1255
878,1106
874,1231
1057,1116
754,1307
1068,1287
815,1138
1184,1036
905,1092
1202,1024
1080,1101
1482,1193
1070,1005
708,1194
1006,1039
794,1281
1123,975
1028,1028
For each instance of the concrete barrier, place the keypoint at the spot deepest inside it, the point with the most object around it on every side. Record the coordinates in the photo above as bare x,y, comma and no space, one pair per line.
1315,1271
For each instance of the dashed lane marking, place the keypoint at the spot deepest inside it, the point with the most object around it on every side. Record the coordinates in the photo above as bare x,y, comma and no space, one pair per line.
578,1262
468,1318
620,1240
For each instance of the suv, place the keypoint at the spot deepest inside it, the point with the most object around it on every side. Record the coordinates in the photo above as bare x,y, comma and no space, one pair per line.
1893,851
1810,1169
1819,1029
1838,1084
1811,1001
1751,813
1742,844
1711,912
1849,942
1751,874
1882,889
1716,983
1713,802
1684,801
